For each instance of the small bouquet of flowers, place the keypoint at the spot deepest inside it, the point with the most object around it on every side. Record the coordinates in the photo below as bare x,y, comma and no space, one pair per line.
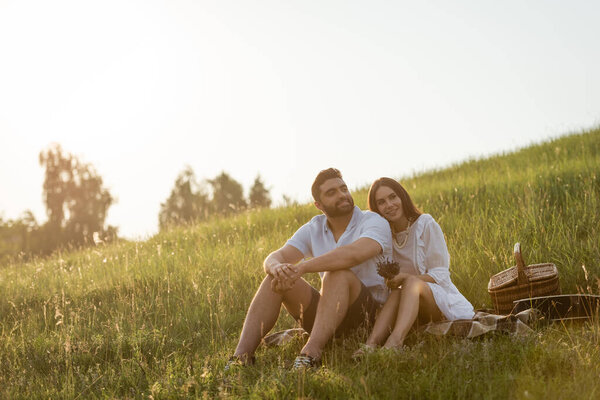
388,268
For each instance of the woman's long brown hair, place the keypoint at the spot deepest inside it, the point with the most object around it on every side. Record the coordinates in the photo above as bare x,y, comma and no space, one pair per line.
410,210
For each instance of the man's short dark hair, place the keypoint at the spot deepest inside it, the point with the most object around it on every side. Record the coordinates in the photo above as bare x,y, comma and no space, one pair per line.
329,173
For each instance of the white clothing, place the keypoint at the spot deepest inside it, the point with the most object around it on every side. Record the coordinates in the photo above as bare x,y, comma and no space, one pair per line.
427,253
315,238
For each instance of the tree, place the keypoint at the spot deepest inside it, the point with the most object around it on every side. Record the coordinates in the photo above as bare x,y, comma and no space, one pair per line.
188,201
259,195
76,200
228,194
20,236
288,201
11,238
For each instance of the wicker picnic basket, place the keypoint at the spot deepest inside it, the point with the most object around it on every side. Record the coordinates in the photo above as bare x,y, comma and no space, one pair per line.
521,282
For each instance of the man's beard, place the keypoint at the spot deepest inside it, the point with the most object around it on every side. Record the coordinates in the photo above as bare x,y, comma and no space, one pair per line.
340,209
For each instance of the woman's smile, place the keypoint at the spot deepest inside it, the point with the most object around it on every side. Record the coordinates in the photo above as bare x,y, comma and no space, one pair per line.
391,212
389,204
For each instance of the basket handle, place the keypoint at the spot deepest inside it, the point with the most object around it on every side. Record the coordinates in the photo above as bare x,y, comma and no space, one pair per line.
521,276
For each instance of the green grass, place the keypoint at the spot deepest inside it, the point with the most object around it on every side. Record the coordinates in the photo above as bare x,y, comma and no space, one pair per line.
160,318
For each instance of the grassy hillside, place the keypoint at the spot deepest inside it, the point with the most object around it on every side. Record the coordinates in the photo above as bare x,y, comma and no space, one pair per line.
159,318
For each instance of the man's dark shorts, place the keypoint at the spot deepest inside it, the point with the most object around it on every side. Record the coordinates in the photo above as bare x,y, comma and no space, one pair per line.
361,313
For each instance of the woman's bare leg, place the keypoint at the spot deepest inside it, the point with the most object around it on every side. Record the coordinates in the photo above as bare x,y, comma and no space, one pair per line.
385,320
416,299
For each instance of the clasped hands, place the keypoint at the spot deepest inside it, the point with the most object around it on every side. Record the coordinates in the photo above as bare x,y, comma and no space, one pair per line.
284,277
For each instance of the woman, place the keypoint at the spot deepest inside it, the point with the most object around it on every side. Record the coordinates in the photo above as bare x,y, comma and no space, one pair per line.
422,289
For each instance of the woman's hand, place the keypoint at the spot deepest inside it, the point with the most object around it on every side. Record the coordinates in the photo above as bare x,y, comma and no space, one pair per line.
398,280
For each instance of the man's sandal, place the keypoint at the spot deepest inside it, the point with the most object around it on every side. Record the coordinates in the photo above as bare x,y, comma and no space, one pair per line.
304,361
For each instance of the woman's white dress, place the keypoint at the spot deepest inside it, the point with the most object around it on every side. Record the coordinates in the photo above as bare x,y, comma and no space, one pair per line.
426,252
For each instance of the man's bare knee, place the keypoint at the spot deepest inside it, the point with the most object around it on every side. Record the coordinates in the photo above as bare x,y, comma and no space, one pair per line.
335,277
267,281
333,281
267,286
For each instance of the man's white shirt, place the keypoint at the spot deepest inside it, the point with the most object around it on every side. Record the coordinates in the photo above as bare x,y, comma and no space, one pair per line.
315,238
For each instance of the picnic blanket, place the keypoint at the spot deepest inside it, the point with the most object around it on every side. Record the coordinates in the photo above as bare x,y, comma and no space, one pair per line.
481,324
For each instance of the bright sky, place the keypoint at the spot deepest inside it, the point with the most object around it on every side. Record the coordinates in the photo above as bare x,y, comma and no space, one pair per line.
282,89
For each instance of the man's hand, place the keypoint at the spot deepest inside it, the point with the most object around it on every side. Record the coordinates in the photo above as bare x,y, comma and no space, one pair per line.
284,271
284,277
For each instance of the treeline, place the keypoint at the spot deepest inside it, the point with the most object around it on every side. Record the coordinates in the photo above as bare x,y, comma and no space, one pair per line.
192,201
77,204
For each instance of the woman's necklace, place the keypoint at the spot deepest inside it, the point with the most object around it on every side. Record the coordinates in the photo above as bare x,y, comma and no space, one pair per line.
401,238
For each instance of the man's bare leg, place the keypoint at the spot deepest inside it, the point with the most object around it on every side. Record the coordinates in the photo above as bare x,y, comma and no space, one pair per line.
340,289
264,311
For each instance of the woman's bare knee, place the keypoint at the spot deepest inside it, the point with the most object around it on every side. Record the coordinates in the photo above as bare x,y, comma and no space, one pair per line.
414,285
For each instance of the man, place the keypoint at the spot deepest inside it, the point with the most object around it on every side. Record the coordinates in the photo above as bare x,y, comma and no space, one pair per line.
343,245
